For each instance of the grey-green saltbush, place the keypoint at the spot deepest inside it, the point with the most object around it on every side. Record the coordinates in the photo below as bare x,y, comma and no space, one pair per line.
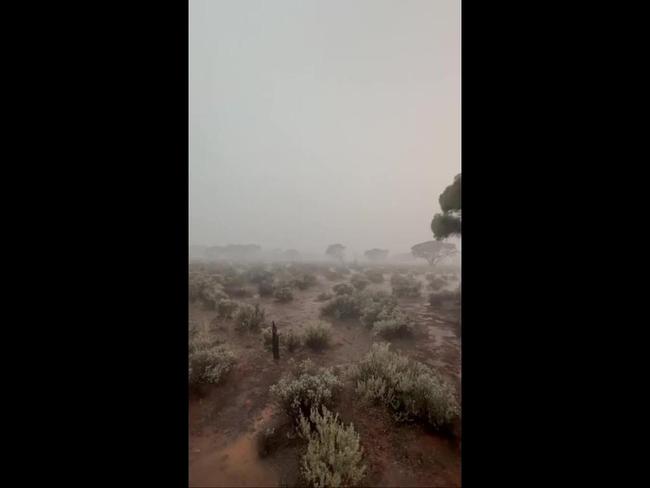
265,288
405,286
343,289
342,307
359,281
334,455
306,280
291,340
297,394
410,389
226,308
323,296
317,335
249,318
373,304
392,323
444,296
375,276
283,294
209,364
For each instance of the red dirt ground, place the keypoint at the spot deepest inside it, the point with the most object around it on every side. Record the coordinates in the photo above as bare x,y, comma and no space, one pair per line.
225,419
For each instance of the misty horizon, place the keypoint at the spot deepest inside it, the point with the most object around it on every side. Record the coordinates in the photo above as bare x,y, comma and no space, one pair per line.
313,123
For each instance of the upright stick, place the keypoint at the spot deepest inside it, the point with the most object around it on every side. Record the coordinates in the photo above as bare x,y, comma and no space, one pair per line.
276,342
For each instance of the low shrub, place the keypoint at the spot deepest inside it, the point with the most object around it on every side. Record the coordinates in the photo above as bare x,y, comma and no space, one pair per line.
373,305
359,281
317,335
323,297
410,389
249,318
306,280
292,340
343,289
196,282
394,323
445,297
436,282
267,337
342,307
374,276
238,291
333,275
206,290
265,288
226,308
283,294
209,364
306,389
258,274
405,286
199,339
334,455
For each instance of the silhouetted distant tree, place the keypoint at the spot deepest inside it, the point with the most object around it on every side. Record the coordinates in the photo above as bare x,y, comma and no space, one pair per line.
291,254
233,251
336,251
433,251
376,254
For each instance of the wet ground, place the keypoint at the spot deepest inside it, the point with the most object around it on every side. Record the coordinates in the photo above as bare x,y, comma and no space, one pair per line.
225,420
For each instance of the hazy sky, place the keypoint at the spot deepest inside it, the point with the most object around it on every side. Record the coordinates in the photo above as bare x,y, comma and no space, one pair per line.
322,121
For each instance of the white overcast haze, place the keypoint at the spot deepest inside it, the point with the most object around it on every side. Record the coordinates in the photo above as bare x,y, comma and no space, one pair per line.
320,121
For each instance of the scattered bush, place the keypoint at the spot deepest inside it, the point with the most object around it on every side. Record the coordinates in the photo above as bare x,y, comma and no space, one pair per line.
258,274
334,455
292,340
305,281
209,364
226,308
267,337
374,276
405,286
436,282
359,281
409,388
289,339
343,289
265,288
394,323
333,275
205,289
323,296
317,335
373,305
342,307
196,282
306,389
283,294
249,318
444,297
199,339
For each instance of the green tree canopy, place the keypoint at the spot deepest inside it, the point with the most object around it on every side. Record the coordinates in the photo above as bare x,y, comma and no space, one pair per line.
447,223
